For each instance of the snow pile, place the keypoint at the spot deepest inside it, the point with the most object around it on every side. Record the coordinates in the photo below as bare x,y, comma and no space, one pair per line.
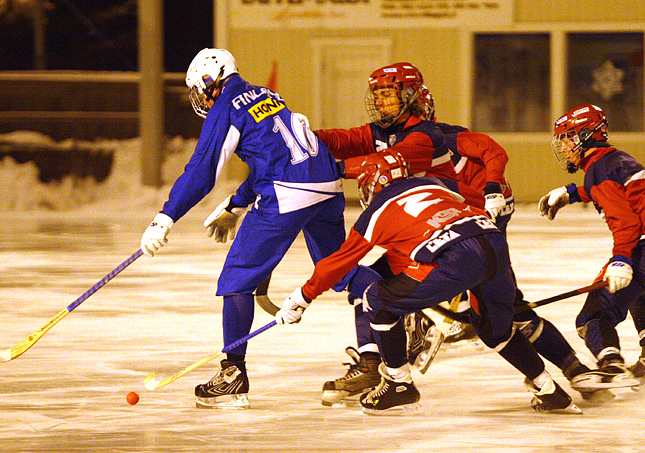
21,189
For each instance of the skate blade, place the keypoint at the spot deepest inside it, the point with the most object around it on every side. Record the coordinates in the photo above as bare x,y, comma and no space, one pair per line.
343,398
590,386
426,357
238,401
571,409
334,398
397,411
465,346
598,396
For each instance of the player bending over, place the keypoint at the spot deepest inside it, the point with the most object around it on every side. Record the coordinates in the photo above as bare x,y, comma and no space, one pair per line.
294,183
455,248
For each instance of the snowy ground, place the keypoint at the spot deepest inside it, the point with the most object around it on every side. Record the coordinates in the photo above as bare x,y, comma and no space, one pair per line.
67,393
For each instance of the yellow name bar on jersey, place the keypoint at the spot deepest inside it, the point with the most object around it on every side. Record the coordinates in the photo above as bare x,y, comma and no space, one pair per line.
265,108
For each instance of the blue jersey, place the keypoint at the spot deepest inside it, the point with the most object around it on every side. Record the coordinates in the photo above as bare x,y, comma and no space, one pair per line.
290,167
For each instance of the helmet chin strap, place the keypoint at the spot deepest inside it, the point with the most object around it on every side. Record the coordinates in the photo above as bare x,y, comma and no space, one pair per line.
213,87
588,144
406,106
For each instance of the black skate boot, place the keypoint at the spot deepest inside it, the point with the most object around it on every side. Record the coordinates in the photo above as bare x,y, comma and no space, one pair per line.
460,332
551,398
228,389
575,373
417,326
424,348
638,369
361,376
611,373
392,396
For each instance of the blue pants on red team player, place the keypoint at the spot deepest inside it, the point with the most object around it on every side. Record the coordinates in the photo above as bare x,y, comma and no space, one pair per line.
260,244
480,264
603,311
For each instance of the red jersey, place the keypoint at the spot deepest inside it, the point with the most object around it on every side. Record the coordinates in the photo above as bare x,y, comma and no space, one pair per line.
615,182
477,158
415,218
421,145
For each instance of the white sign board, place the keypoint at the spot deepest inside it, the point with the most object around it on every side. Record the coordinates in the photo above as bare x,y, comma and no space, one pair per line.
367,14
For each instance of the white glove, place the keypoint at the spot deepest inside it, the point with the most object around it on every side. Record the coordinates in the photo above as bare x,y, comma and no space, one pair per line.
495,202
155,235
553,201
618,275
222,222
292,308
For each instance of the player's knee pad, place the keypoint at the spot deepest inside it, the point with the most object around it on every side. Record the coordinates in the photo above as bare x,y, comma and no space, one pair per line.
499,344
531,329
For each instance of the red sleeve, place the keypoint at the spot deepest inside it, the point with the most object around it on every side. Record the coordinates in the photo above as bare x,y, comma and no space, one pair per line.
623,222
418,150
330,270
584,196
482,148
345,143
635,190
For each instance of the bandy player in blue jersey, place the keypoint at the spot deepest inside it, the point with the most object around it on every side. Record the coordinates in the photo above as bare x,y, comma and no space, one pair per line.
615,183
294,186
453,247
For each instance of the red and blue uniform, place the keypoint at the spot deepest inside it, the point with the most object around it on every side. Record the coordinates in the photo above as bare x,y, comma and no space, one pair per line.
417,140
479,160
615,182
453,248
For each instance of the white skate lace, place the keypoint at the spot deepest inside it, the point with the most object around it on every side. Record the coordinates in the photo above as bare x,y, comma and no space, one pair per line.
353,372
379,391
228,375
455,328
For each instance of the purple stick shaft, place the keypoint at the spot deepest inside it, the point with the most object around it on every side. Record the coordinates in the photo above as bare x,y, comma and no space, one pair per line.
104,280
243,340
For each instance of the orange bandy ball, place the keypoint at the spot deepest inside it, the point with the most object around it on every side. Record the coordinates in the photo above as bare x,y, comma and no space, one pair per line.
132,398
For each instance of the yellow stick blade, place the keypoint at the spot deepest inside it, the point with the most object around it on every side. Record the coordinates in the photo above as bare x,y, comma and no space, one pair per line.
16,351
151,383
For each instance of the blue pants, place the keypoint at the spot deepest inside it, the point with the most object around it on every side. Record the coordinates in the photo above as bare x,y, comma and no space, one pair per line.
260,244
603,311
480,264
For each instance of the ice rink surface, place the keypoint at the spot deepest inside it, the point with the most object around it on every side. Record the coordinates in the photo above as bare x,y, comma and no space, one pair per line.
68,392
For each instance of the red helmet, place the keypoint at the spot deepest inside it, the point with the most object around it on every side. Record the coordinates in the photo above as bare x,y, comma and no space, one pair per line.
377,171
575,132
405,78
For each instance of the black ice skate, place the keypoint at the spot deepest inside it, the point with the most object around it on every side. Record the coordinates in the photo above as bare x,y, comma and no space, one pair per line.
361,376
416,326
551,398
612,374
228,389
579,369
392,396
638,369
460,332
432,340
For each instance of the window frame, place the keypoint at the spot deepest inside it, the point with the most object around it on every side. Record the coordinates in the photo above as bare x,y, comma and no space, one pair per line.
558,61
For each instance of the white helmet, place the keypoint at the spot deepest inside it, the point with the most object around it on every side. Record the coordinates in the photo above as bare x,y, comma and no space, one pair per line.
205,76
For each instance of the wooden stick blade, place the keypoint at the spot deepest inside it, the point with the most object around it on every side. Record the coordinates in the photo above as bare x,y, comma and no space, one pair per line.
19,349
265,304
151,383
